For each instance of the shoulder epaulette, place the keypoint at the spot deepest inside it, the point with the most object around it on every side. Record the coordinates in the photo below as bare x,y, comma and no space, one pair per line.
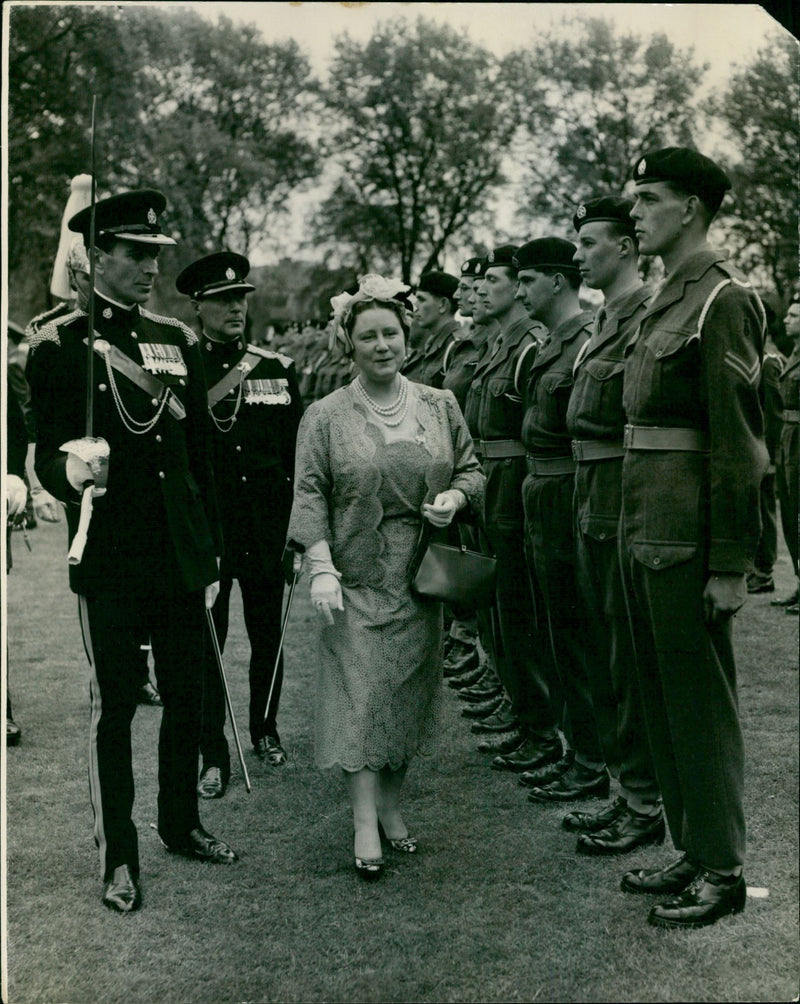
49,332
48,315
189,335
287,361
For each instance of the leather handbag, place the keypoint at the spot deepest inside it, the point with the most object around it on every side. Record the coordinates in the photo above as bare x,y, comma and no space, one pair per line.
453,575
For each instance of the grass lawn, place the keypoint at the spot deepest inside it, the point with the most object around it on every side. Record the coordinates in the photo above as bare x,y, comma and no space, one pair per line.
495,907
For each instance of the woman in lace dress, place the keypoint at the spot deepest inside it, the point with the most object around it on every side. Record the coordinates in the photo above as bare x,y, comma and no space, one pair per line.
374,459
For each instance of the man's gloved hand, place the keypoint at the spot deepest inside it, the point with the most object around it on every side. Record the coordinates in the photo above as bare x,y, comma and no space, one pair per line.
16,495
292,564
326,595
212,592
45,506
444,507
87,460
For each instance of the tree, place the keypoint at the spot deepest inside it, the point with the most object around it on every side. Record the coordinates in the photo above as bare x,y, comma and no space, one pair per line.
421,117
212,114
592,102
760,109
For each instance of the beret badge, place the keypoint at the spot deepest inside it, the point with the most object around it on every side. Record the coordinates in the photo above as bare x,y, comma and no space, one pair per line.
230,274
152,219
490,257
581,212
642,166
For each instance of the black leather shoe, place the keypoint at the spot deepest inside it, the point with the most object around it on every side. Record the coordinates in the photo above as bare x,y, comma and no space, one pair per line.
460,660
786,601
666,881
122,892
149,695
203,847
550,772
591,822
212,783
502,742
13,732
467,679
630,830
480,692
758,582
575,783
533,753
269,748
707,898
503,720
484,709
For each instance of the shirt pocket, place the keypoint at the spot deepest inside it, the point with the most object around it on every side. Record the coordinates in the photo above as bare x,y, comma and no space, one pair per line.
600,390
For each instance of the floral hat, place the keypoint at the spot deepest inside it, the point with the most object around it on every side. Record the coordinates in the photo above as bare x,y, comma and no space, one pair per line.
370,287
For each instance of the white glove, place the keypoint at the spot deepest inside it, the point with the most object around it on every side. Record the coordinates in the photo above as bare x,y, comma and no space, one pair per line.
16,495
326,595
45,506
212,592
444,507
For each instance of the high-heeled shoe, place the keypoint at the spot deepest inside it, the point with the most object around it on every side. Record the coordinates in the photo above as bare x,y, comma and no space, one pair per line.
369,868
405,845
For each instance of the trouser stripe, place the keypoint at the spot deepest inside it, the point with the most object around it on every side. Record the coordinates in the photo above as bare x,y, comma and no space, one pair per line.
96,713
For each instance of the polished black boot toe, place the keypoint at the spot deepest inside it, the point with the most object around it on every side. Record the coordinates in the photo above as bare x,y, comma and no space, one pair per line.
122,893
549,772
662,881
702,902
532,754
592,822
628,831
576,783
202,846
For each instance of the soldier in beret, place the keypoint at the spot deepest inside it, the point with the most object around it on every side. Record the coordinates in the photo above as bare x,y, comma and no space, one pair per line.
694,460
549,282
255,408
436,325
150,564
607,258
526,720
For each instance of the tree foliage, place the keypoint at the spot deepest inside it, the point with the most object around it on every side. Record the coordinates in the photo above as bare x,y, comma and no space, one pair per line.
760,108
592,100
421,117
211,114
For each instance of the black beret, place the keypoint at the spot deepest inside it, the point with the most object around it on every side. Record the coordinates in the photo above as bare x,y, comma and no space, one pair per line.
608,209
690,170
130,216
438,284
546,252
504,255
216,273
470,267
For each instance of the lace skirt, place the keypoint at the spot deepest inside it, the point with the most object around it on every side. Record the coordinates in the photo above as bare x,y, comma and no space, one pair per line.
378,696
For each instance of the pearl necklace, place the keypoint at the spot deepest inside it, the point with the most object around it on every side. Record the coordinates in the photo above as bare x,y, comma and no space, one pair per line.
392,414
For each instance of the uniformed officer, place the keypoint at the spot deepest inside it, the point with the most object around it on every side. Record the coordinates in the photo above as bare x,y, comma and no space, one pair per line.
788,453
434,320
150,559
608,257
254,404
694,460
549,282
494,416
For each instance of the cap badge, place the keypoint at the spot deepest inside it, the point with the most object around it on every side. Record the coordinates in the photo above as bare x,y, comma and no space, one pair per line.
642,166
230,274
152,219
581,212
108,313
490,257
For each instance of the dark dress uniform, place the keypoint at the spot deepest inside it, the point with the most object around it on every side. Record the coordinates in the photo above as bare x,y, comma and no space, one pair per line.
695,457
253,442
494,415
425,364
788,454
546,383
151,551
596,422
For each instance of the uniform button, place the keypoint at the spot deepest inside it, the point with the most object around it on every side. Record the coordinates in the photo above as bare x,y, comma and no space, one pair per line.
162,475
244,478
226,366
158,437
134,335
602,535
601,372
656,560
659,352
208,346
181,381
238,449
155,402
102,386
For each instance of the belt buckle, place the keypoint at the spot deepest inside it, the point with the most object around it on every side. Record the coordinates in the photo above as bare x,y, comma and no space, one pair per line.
627,437
577,450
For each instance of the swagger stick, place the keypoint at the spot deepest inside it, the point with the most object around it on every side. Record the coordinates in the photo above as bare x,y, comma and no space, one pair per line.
90,304
280,643
218,655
